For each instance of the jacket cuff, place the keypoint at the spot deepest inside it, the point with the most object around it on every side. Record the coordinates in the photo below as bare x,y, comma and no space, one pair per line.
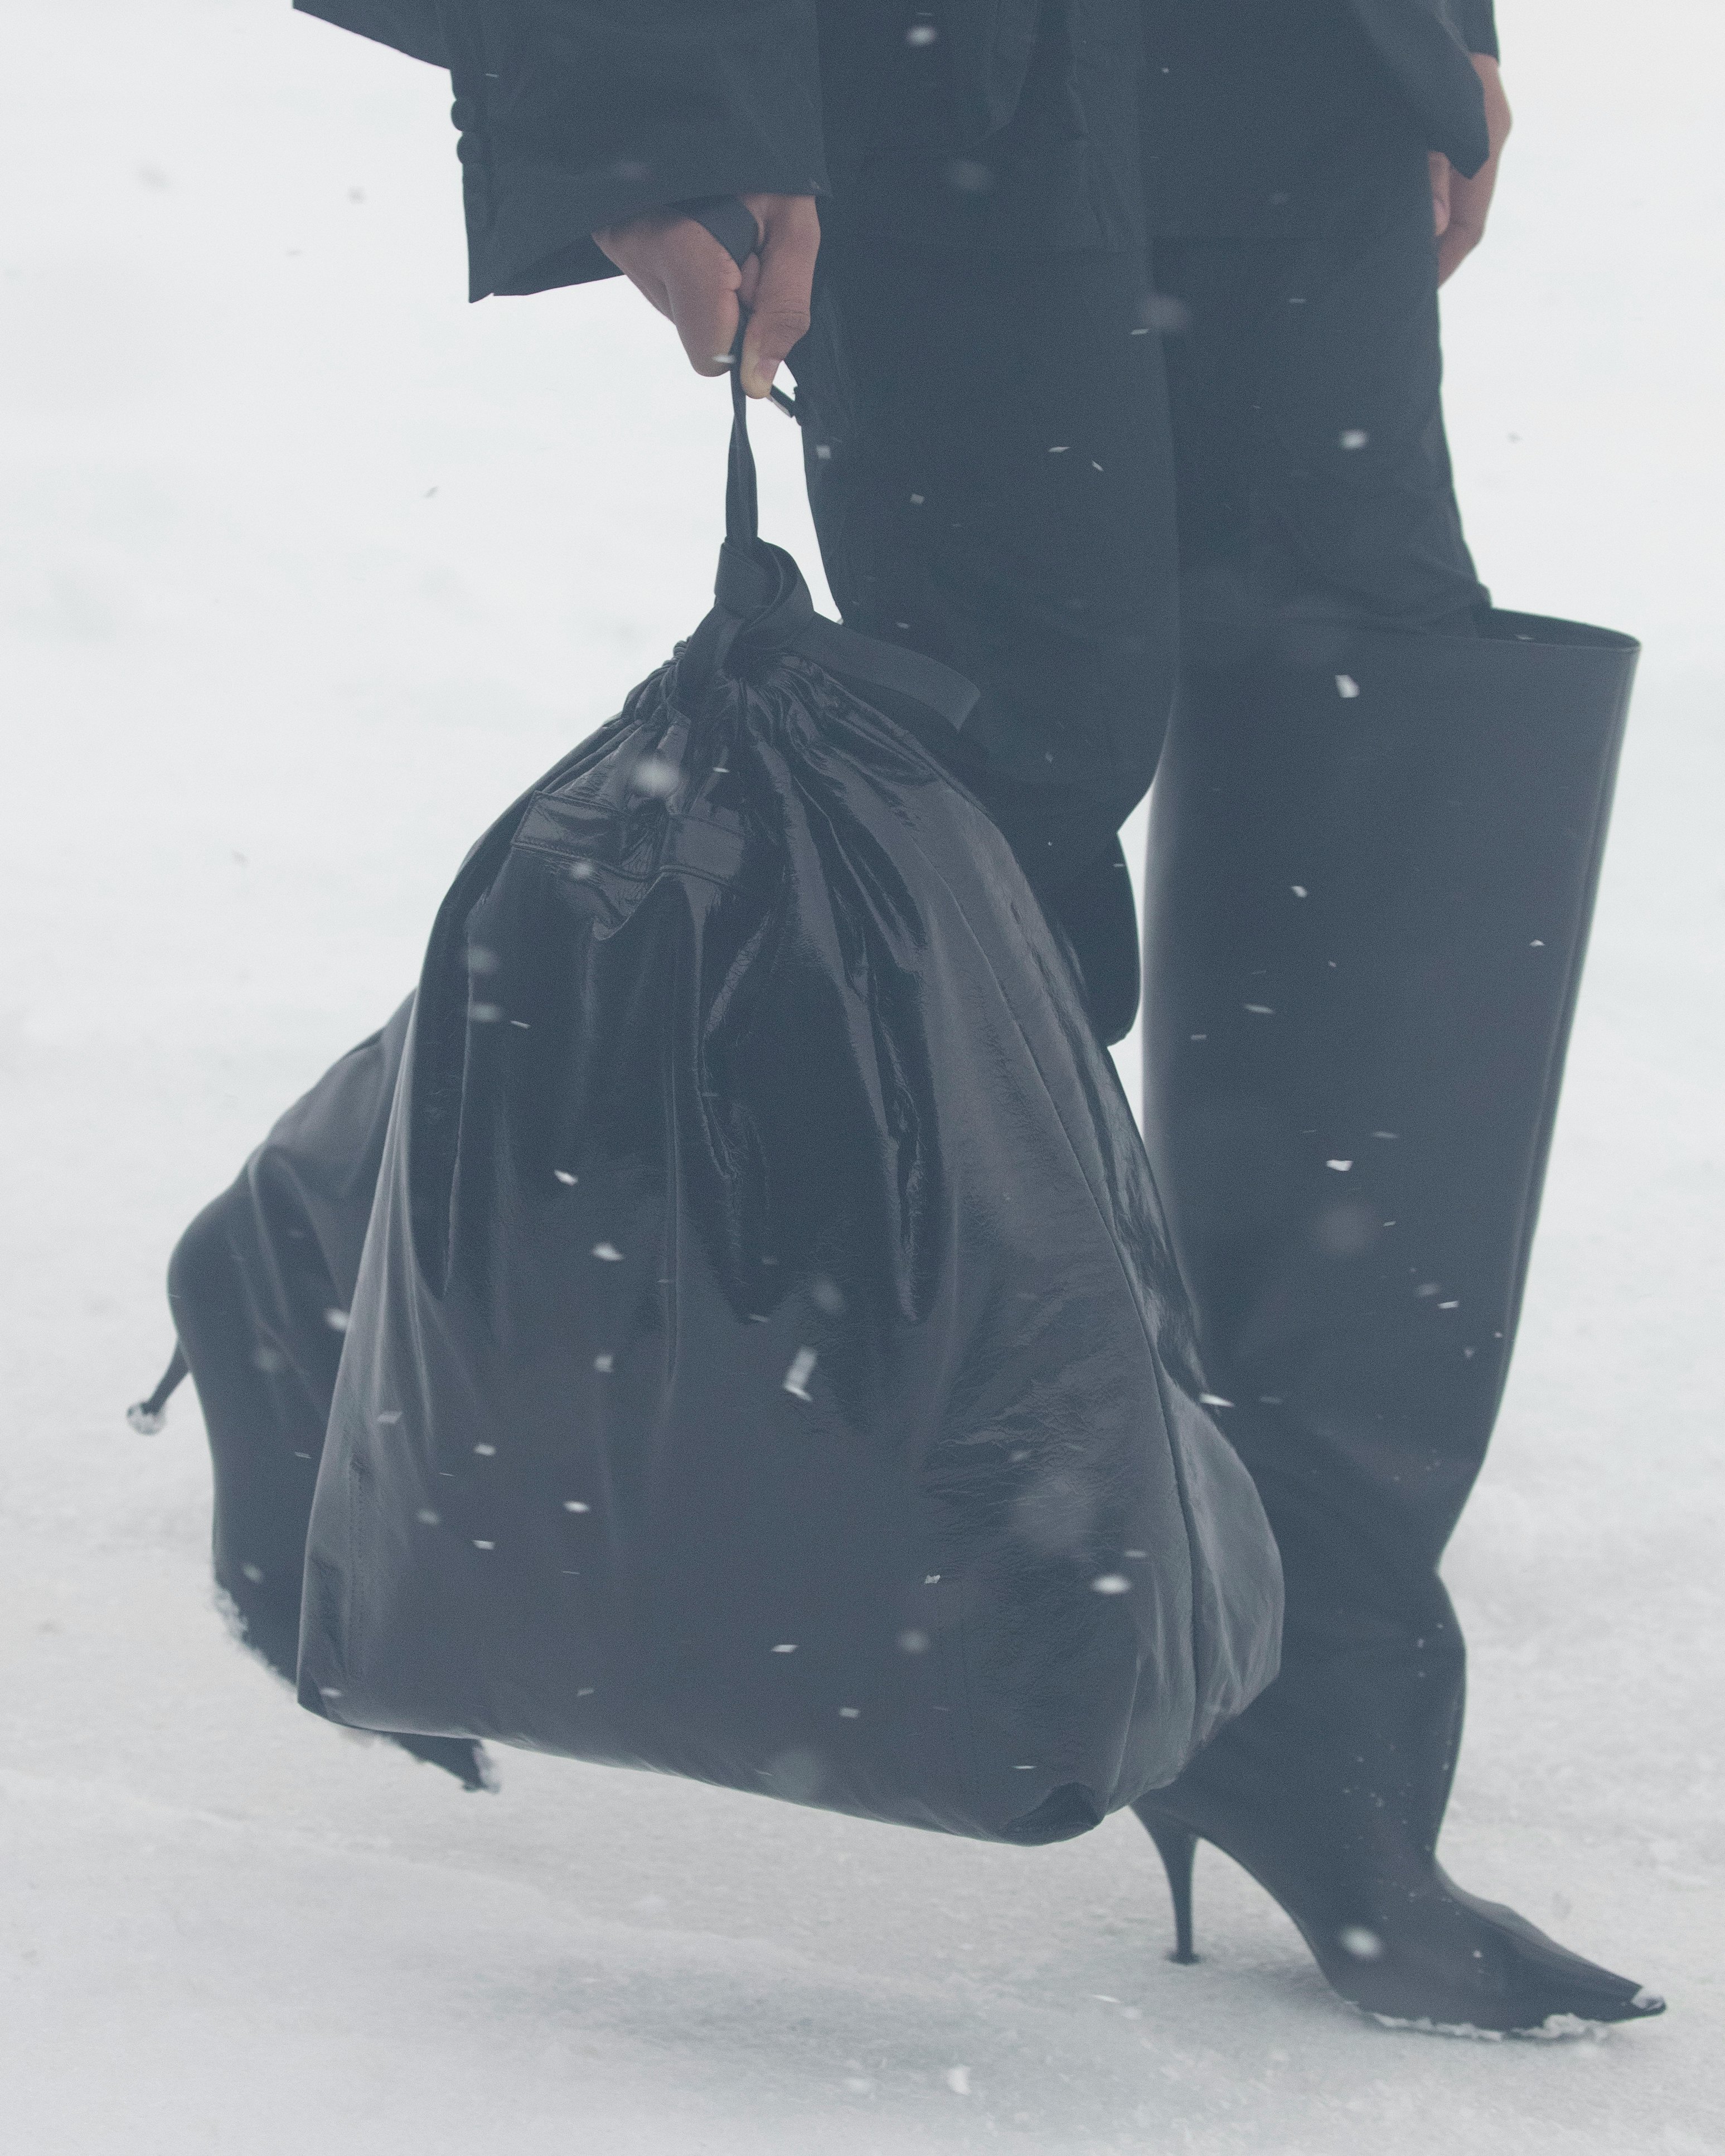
522,219
573,117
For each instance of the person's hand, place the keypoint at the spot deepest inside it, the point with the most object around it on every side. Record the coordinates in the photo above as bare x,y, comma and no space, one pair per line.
1459,205
691,279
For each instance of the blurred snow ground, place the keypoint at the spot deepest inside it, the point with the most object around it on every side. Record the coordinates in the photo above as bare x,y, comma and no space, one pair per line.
307,568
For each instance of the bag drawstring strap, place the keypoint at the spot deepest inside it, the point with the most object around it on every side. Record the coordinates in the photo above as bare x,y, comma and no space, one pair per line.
742,505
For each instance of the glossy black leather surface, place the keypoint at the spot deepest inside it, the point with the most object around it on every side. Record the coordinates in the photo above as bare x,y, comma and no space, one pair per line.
766,1364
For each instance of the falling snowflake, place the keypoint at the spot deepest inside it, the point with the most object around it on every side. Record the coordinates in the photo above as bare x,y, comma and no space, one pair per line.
608,1252
1214,1400
575,1505
483,1545
1163,312
1346,686
1362,1944
485,1014
427,1518
390,1416
914,1642
656,776
958,2079
1354,438
786,1647
253,1572
486,1451
849,1713
1112,1583
802,1369
603,1364
1341,1166
564,1175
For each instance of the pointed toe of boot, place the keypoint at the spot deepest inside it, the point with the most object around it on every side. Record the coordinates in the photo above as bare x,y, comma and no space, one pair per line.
1451,1962
1416,1952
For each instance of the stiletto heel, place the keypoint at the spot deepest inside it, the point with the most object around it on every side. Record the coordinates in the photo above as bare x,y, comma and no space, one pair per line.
1177,1845
149,1415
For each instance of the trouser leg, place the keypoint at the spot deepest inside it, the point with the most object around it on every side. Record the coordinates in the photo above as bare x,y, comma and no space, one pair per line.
1313,480
989,472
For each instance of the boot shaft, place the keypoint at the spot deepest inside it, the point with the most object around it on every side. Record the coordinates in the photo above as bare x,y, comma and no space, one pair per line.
1370,884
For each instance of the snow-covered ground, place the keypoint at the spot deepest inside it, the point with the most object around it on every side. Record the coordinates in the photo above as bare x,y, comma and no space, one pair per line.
307,568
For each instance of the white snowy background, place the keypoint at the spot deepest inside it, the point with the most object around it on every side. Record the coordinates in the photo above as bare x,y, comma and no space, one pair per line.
307,568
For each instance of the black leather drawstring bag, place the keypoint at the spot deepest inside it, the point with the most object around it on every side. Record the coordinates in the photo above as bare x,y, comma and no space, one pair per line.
765,1363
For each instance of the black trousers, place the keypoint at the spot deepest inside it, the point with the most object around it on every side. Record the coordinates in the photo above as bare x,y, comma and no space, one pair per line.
1313,475
1051,475
990,469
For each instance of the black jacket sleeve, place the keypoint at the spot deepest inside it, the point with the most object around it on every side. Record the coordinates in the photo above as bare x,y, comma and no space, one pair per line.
411,26
1424,44
576,114
1476,25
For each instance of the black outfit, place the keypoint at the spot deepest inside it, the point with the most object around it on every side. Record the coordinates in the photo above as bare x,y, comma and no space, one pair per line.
1376,828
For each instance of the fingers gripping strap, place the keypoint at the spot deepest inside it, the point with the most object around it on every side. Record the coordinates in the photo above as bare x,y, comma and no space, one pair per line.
731,222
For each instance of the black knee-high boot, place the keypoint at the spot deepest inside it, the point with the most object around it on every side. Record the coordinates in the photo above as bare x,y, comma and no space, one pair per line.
1370,883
